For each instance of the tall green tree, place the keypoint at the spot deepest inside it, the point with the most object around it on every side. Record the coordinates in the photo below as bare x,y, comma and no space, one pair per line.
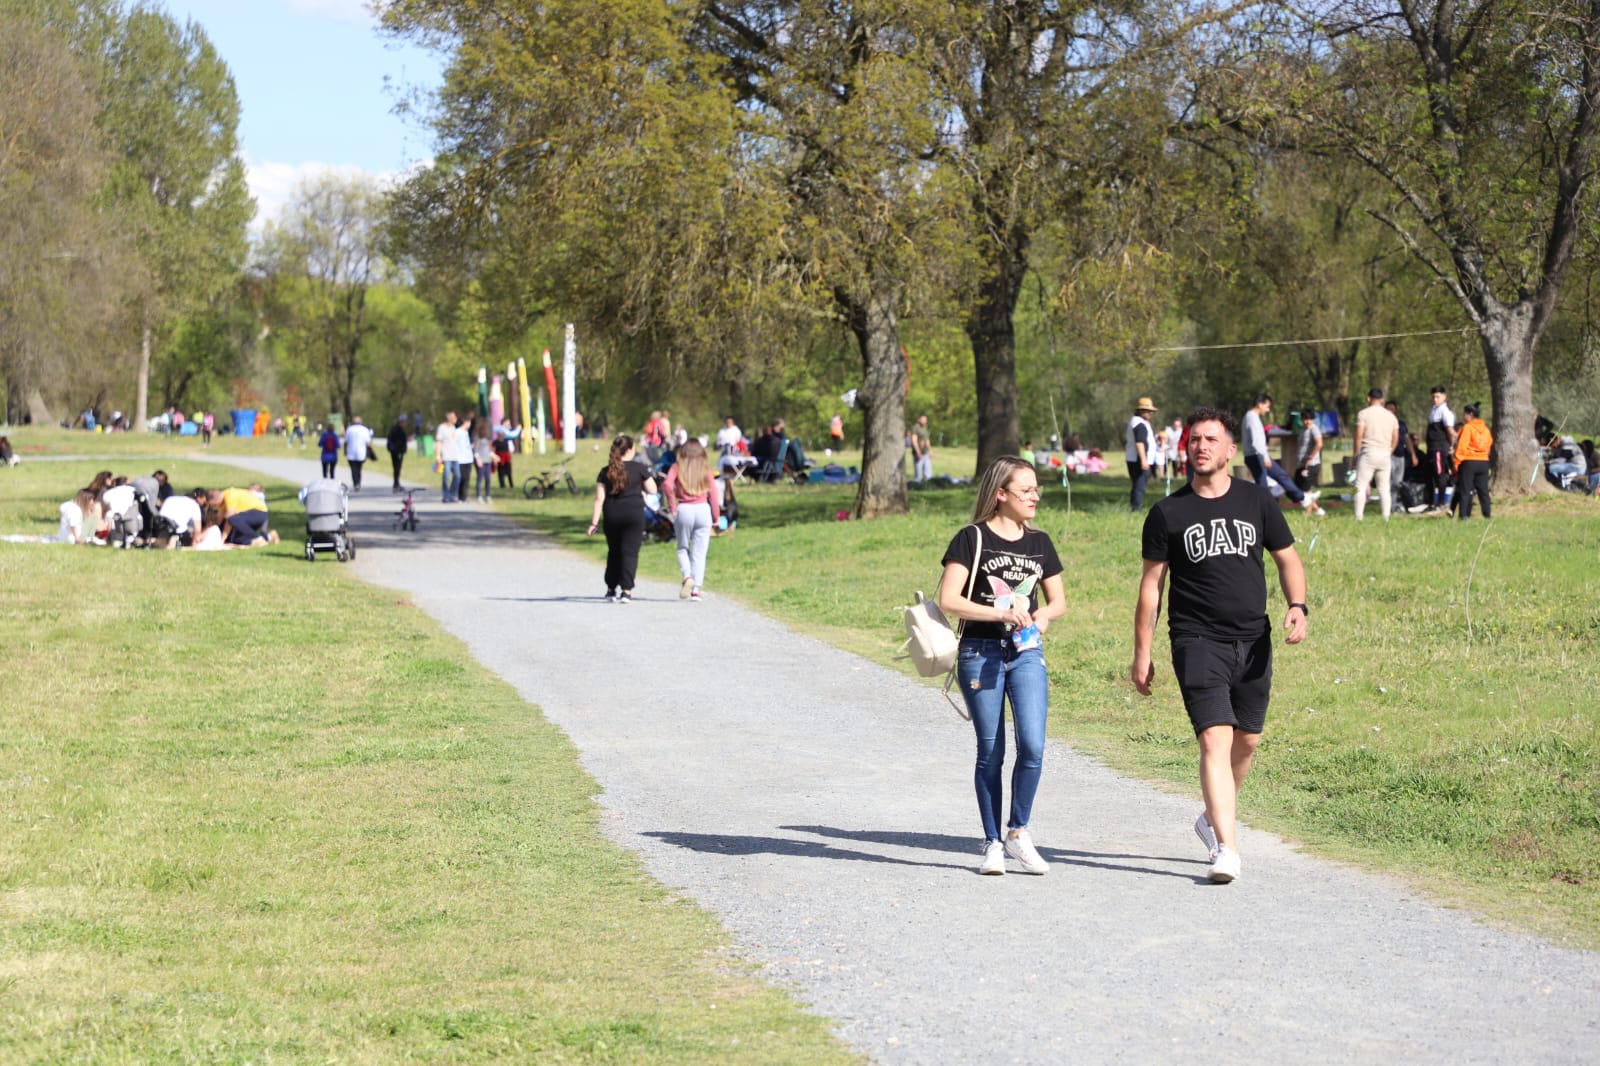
64,271
323,255
1482,118
171,114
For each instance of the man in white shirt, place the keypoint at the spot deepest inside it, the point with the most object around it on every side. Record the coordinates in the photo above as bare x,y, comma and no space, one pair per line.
444,447
1140,452
465,461
357,445
184,514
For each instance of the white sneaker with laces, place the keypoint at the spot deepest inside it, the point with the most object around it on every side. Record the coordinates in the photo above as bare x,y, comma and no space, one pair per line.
1207,835
1224,865
1020,847
994,859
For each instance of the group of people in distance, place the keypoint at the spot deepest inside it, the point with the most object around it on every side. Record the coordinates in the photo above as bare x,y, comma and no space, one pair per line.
1202,550
469,452
771,456
1441,472
203,519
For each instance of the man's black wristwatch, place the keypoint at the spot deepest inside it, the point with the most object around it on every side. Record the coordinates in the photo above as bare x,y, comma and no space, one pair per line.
1303,609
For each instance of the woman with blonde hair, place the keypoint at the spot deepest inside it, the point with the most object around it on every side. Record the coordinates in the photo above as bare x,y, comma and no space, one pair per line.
619,505
994,573
691,499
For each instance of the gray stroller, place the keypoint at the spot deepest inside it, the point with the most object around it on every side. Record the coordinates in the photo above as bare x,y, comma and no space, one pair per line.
327,505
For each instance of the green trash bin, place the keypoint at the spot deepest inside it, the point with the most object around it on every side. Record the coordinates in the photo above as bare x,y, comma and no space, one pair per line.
425,442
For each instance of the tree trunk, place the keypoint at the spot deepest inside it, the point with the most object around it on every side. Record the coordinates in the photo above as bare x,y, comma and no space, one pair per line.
141,406
992,331
882,399
1508,343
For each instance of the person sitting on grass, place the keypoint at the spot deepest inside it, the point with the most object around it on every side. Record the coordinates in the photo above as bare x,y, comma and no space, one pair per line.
184,514
210,537
81,519
7,455
244,516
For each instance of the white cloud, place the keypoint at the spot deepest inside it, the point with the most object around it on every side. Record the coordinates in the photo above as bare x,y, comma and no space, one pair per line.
343,10
273,184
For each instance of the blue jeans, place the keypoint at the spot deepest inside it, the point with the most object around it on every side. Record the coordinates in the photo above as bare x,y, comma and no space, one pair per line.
451,479
1262,472
990,671
1140,477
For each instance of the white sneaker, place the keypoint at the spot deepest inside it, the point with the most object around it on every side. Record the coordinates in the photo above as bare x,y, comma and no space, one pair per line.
685,588
1207,835
1224,865
994,859
1020,847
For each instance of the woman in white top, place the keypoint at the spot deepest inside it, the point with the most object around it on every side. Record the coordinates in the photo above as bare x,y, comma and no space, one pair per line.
81,519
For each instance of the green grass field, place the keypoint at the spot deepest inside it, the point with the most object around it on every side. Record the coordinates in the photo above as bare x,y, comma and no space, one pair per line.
258,811
1447,739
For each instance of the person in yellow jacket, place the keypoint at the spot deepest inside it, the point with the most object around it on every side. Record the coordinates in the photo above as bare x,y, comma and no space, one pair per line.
1472,462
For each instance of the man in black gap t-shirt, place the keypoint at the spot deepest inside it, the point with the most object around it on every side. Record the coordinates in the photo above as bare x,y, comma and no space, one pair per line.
1209,537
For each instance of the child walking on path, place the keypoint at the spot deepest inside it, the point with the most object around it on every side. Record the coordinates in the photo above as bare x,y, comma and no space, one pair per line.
691,499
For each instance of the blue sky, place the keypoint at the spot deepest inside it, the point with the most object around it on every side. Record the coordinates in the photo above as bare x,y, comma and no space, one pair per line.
311,79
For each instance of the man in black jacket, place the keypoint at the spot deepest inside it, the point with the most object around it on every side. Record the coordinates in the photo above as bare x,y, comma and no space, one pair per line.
397,443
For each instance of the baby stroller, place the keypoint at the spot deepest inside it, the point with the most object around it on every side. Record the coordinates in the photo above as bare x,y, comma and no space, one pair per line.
657,522
327,506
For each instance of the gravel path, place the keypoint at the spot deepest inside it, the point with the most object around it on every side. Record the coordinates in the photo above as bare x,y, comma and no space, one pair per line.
821,807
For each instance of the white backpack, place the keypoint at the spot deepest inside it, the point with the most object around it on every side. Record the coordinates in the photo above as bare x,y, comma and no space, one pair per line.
931,644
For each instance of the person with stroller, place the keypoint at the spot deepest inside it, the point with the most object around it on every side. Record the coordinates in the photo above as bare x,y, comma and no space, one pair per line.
619,494
691,500
1002,578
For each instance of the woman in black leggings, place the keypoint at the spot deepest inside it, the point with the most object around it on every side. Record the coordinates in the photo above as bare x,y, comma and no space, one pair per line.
619,507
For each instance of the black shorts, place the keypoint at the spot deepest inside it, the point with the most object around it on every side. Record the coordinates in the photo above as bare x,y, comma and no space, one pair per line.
1224,682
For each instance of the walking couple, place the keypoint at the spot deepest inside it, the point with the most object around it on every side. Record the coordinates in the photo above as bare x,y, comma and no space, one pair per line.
1208,538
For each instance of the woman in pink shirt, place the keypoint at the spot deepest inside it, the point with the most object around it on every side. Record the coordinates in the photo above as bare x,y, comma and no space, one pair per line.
691,499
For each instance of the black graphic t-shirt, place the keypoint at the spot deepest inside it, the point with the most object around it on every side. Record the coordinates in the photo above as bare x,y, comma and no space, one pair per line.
1212,549
1006,568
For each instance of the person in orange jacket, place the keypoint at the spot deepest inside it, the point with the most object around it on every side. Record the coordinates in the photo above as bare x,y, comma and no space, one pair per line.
1472,462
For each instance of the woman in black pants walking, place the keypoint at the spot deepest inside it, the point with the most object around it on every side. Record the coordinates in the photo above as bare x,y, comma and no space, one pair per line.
619,507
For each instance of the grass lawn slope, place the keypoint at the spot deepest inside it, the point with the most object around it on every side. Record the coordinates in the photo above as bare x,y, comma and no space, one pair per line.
257,811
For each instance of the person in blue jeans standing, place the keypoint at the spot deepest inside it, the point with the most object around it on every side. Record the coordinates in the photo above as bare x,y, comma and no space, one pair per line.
1002,579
